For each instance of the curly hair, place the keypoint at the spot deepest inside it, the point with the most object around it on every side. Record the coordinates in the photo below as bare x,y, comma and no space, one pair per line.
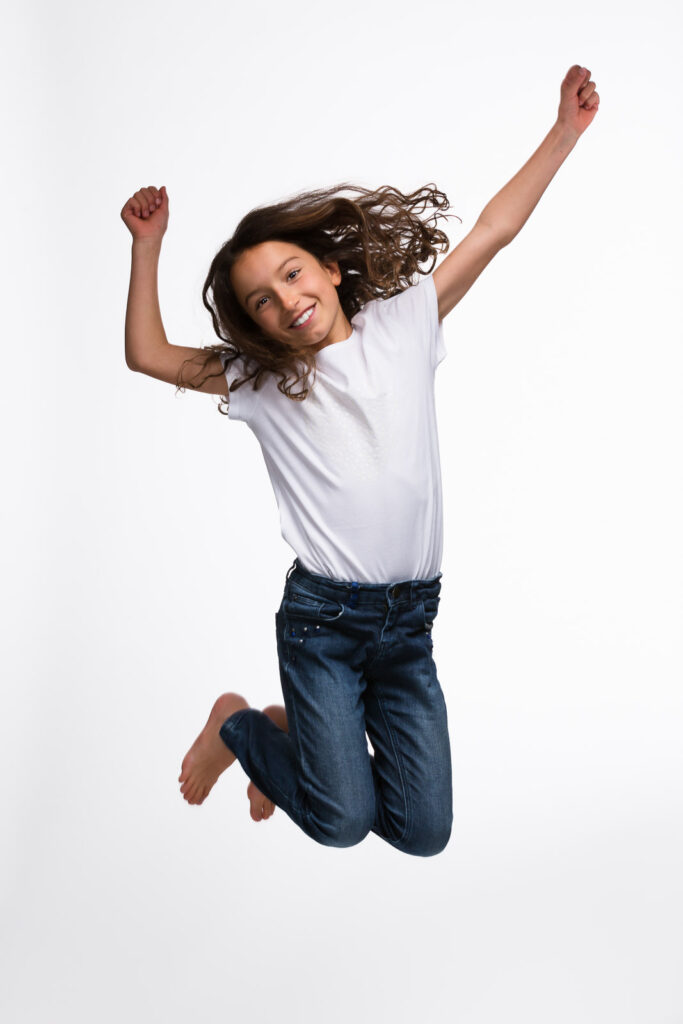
377,239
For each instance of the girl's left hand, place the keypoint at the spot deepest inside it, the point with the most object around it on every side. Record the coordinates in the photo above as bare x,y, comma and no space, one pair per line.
578,100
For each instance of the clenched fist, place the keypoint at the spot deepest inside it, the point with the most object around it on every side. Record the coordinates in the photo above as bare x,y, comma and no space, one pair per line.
578,100
145,214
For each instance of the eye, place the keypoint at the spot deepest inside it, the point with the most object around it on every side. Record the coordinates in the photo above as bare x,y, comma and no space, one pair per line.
295,271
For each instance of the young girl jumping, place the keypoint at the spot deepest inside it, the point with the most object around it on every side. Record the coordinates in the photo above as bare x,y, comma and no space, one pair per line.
329,352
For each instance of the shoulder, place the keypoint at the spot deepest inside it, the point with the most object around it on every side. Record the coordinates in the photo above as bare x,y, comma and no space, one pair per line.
243,400
415,305
411,318
419,297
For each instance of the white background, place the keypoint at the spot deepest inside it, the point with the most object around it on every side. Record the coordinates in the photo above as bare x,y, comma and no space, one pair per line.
142,560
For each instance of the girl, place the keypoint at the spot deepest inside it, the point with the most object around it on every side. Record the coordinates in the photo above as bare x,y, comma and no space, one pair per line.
329,353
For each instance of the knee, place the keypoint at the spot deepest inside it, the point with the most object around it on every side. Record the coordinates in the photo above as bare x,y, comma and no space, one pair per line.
427,839
343,828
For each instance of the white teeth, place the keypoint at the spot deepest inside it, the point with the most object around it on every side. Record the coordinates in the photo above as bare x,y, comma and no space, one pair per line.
303,318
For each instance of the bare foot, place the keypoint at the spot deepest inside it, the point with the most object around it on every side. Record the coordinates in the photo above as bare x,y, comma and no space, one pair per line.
260,806
208,756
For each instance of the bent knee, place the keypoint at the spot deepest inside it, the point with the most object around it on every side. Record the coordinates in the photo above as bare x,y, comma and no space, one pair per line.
341,829
427,840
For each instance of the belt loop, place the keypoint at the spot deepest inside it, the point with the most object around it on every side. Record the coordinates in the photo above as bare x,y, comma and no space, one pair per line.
353,600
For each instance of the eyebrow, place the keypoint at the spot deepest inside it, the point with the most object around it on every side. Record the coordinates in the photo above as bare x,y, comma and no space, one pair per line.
284,264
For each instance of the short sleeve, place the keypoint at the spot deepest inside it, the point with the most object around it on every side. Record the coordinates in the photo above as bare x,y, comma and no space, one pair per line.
437,344
241,401
418,310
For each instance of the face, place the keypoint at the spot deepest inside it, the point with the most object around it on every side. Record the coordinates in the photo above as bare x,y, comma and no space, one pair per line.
275,282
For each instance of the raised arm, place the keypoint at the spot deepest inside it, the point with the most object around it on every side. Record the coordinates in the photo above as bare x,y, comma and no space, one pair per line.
505,215
147,348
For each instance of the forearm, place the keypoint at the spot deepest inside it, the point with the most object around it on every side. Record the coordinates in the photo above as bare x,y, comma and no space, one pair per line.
510,208
144,327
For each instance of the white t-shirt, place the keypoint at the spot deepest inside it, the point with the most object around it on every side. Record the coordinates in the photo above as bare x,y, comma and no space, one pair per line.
355,466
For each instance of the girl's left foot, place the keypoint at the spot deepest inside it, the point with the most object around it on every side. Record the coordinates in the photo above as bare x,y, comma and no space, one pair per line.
260,806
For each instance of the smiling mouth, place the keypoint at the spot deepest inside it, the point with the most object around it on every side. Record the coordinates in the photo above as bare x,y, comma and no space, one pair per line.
307,315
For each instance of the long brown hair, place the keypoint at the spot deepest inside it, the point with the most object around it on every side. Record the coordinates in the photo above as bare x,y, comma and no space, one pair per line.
378,241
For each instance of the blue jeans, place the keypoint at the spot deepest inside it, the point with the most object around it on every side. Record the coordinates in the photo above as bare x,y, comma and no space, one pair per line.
355,658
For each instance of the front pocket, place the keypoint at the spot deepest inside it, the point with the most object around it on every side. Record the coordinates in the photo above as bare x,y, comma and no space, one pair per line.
298,604
307,617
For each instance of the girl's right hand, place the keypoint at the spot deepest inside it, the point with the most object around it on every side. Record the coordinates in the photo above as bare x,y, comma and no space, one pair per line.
145,214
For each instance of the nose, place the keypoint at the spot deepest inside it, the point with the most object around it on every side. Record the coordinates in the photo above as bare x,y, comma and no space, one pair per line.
290,305
285,297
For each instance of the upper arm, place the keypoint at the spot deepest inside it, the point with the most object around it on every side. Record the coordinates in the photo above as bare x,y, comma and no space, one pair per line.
461,268
166,362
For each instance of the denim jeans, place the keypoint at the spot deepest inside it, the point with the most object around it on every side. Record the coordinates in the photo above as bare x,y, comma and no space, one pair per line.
355,658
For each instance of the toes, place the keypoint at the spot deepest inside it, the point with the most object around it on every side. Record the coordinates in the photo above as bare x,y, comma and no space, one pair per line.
190,790
257,809
267,809
261,807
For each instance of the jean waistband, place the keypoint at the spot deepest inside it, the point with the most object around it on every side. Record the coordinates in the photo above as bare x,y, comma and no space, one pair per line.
353,593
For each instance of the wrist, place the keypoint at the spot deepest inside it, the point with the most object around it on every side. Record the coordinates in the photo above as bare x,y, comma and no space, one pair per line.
147,245
565,135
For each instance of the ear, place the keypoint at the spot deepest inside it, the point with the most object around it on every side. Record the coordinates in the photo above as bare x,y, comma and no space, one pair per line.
333,270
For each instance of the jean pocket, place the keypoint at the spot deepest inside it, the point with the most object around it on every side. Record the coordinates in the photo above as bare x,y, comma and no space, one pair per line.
306,616
300,603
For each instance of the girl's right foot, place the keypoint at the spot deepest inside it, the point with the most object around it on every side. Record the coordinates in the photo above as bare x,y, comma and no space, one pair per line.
208,757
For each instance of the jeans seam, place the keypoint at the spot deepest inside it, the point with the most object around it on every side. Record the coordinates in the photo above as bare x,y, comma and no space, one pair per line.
302,810
399,763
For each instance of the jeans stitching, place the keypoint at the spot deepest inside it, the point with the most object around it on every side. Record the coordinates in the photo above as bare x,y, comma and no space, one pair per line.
399,764
302,811
314,603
